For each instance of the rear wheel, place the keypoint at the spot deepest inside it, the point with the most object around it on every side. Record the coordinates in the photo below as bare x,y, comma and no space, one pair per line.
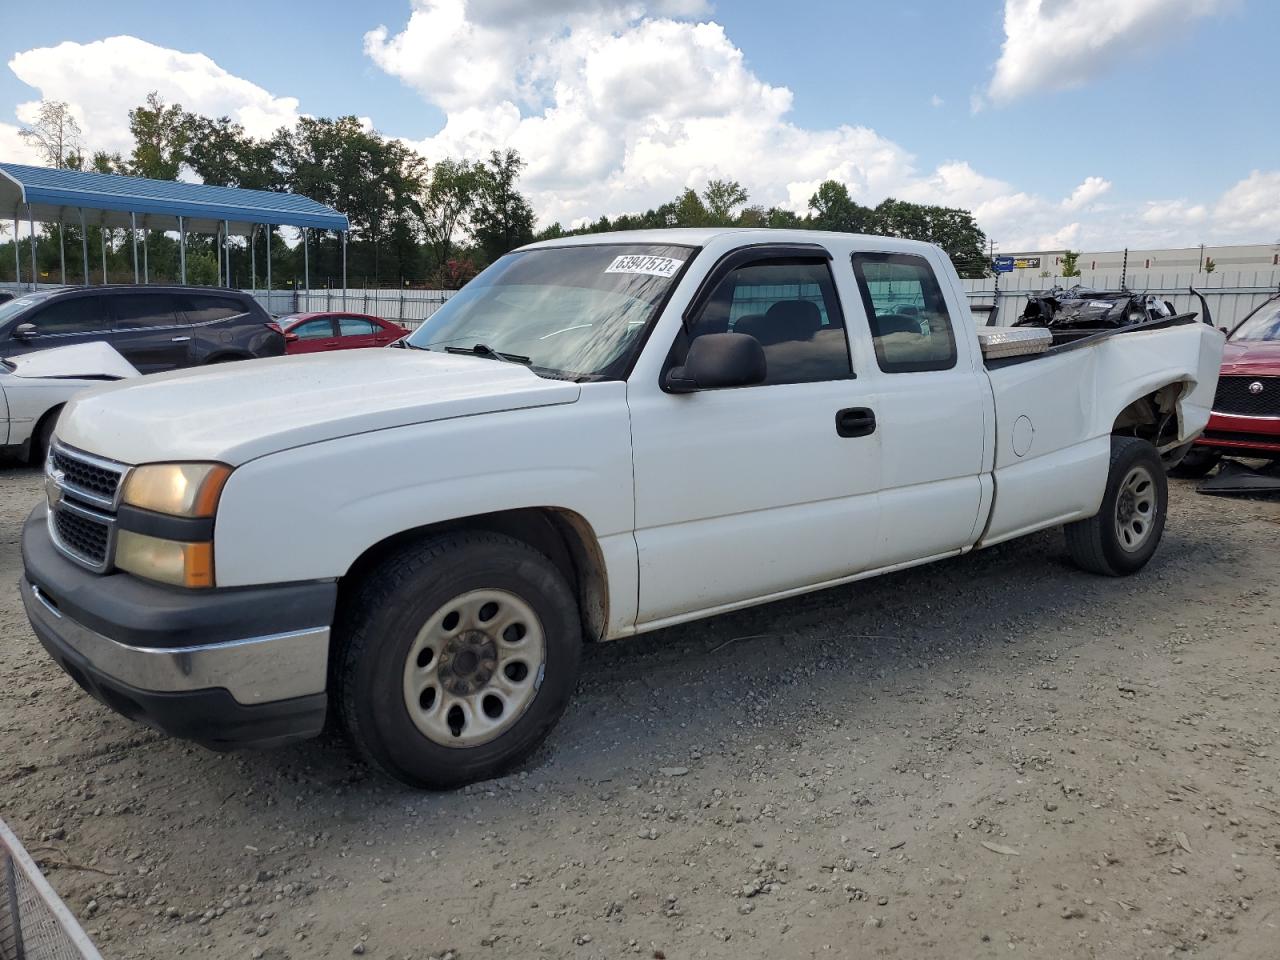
1124,534
456,658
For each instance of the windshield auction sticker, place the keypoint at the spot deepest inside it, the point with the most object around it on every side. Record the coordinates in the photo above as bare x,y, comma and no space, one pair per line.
650,266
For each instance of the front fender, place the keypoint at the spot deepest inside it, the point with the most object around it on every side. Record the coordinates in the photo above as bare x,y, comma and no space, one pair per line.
307,513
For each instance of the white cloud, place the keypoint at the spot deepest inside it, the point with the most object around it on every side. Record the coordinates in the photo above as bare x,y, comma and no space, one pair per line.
1057,44
1090,190
14,149
616,110
936,101
105,79
1251,207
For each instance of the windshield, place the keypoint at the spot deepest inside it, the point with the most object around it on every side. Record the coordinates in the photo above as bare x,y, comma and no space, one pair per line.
1263,325
14,307
576,312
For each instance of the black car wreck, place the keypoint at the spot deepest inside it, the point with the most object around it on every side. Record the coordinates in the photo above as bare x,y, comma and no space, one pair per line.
155,328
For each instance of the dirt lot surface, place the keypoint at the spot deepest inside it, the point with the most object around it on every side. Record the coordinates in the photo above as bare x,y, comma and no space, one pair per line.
990,757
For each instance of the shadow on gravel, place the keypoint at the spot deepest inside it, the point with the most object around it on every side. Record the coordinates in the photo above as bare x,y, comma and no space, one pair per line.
653,699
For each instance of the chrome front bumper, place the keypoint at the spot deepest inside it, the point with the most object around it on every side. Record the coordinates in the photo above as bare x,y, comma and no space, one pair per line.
253,670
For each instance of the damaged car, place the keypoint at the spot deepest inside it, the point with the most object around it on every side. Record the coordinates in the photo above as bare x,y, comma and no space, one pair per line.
1080,308
1246,408
34,388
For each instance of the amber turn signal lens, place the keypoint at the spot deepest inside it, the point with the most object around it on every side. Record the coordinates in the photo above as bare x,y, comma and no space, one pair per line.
174,562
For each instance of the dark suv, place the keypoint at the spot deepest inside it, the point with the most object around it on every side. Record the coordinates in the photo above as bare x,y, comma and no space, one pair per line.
155,328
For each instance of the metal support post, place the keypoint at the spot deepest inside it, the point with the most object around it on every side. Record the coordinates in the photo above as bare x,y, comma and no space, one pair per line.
253,260
133,231
84,246
182,249
267,231
102,236
31,227
62,248
146,256
306,265
226,248
17,250
344,269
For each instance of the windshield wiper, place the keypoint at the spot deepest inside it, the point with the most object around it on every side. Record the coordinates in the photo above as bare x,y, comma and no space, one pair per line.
484,350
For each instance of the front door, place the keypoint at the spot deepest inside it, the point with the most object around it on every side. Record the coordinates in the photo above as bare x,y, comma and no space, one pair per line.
753,491
150,330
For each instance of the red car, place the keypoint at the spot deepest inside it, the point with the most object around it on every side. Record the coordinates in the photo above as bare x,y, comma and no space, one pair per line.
316,332
1246,410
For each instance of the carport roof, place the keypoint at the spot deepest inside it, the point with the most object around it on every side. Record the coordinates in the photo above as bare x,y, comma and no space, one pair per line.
57,196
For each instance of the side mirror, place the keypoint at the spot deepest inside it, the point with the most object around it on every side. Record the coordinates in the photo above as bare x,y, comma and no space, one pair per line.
290,337
719,360
25,331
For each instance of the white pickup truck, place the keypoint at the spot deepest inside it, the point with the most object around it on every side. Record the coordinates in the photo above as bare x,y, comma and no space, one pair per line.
596,437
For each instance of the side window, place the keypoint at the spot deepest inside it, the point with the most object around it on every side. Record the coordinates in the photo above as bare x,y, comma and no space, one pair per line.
201,309
78,315
314,329
907,312
790,307
144,310
355,327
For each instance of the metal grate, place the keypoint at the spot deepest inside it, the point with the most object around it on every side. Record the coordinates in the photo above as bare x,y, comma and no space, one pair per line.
34,923
1248,396
84,537
86,476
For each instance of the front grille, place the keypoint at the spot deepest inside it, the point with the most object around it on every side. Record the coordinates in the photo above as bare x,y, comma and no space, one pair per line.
1235,396
86,538
81,474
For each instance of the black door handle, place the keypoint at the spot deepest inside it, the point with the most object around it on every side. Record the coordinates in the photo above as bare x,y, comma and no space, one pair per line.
855,422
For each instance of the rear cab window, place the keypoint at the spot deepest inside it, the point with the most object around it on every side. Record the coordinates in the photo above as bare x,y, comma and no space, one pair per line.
910,325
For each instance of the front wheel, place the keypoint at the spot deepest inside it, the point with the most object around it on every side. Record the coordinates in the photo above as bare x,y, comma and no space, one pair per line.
456,658
1124,534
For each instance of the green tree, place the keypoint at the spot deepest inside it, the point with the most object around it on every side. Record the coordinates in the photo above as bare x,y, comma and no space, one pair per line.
160,137
1069,260
55,134
448,203
1209,265
503,219
219,152
831,208
952,229
688,210
722,199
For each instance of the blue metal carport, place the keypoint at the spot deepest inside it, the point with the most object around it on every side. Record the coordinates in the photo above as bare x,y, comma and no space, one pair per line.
117,201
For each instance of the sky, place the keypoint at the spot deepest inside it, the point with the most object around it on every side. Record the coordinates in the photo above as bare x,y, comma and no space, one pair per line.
1088,124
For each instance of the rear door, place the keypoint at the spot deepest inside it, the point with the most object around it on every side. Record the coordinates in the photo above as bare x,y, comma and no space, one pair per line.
314,336
357,332
930,413
150,330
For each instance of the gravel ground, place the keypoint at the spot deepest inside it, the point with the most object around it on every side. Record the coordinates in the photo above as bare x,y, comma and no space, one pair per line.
992,756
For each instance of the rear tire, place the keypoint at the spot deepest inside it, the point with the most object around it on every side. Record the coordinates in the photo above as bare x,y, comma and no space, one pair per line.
456,656
1124,534
1198,463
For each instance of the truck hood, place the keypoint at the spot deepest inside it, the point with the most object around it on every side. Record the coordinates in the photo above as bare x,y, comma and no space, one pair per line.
235,412
1251,358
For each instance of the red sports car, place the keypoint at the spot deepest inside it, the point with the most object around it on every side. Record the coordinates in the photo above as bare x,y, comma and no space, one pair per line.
316,332
1246,410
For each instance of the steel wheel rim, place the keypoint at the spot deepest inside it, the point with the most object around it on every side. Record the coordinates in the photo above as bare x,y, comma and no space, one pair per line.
1136,509
474,668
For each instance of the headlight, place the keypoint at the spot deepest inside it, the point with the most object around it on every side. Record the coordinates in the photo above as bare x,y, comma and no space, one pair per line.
175,562
178,489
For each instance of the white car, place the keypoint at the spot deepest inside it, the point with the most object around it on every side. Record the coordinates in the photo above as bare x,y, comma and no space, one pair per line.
598,436
35,386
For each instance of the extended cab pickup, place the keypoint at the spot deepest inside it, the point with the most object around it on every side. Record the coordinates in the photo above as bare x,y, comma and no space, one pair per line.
596,437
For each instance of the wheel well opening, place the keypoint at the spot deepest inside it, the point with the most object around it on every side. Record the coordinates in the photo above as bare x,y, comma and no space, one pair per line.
1153,417
564,537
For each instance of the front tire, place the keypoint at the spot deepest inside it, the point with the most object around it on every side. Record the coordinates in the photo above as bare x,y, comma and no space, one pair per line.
1124,534
456,657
